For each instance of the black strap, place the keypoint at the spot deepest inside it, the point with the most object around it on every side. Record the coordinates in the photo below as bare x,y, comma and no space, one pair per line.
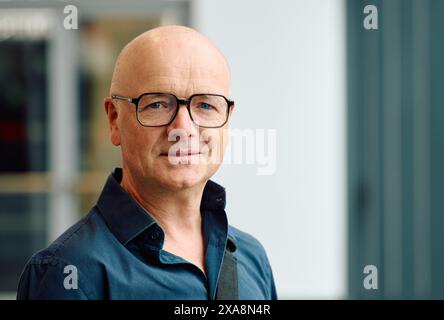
227,286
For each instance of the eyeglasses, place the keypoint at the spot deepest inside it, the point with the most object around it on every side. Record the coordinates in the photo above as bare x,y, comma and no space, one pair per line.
160,109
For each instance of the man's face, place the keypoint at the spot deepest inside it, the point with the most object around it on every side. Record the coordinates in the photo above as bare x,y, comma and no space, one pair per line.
151,154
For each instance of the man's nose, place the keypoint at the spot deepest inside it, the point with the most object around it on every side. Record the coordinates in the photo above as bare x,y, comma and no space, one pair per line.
183,122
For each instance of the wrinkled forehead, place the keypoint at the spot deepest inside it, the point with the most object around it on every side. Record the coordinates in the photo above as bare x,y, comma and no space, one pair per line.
178,65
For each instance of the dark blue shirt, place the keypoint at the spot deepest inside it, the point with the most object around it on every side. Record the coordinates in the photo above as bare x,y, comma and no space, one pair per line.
115,252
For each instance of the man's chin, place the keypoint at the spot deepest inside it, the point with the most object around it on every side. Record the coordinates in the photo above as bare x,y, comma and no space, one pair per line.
182,181
181,176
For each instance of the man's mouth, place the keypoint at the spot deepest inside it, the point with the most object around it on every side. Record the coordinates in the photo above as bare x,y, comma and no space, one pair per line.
181,153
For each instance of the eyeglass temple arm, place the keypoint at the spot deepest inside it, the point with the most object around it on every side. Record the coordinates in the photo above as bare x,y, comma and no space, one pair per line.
132,100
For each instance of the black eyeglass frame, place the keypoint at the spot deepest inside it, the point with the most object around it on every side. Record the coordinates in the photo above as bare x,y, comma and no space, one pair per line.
186,102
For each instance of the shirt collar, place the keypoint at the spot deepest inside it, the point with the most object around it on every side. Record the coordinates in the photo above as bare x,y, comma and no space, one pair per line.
124,216
127,219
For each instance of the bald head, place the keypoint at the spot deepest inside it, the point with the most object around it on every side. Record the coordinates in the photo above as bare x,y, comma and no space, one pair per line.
173,59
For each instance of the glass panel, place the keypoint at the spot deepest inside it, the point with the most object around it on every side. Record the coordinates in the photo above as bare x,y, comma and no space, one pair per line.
23,149
23,98
22,232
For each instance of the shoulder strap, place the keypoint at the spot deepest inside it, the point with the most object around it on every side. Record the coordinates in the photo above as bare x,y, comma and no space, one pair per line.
227,288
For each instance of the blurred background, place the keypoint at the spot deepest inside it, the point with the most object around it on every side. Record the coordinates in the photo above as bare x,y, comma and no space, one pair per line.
358,117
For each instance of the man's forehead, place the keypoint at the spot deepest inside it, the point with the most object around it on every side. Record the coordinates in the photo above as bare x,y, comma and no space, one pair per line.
180,66
182,88
178,75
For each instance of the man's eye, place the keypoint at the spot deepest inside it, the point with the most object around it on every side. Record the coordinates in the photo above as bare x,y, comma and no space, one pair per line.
206,106
154,105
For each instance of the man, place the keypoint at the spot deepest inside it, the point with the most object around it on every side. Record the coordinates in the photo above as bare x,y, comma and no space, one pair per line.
159,229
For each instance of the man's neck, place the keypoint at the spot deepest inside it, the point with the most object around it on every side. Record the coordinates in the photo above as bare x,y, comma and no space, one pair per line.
177,212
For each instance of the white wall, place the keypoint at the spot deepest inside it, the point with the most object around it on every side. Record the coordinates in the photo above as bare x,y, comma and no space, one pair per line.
288,72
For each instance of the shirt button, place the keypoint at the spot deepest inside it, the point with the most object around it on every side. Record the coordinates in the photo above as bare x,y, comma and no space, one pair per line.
154,235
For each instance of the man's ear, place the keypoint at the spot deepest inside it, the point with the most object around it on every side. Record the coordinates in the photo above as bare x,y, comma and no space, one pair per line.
112,113
232,109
